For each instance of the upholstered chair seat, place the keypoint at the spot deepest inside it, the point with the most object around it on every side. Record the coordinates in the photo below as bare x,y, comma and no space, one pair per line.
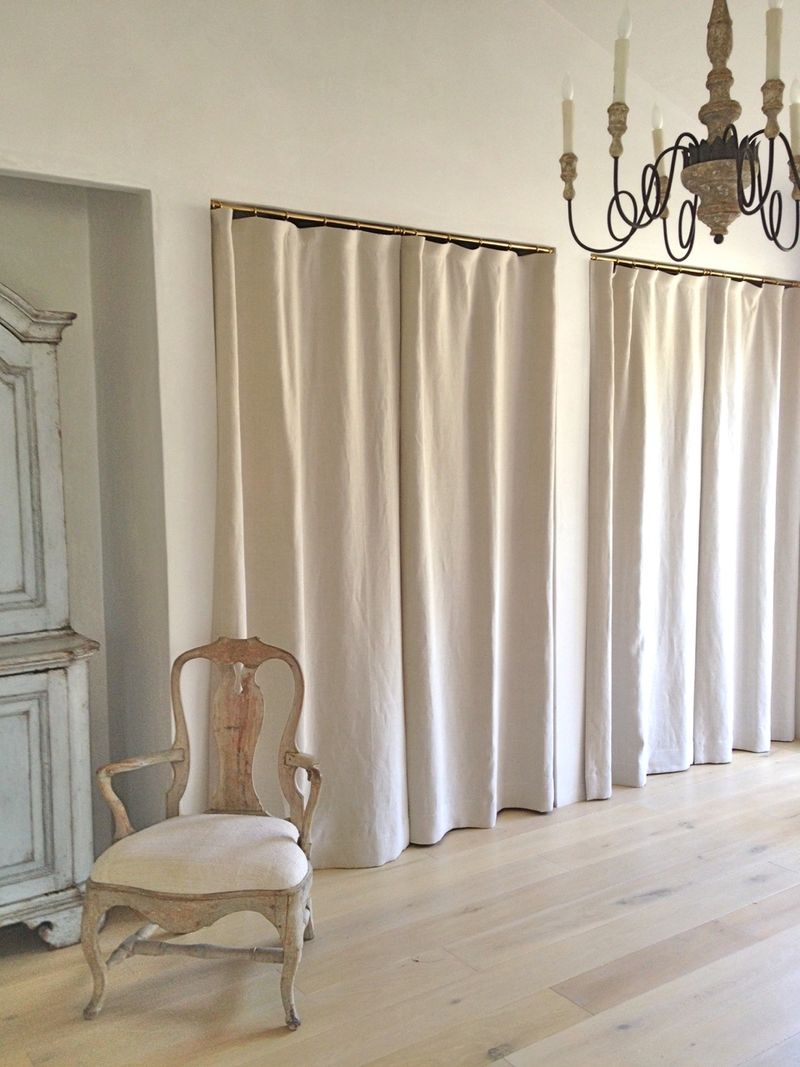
206,854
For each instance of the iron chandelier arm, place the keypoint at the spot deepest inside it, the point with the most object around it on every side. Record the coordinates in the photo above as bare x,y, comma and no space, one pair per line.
772,222
687,220
590,248
626,214
763,198
750,173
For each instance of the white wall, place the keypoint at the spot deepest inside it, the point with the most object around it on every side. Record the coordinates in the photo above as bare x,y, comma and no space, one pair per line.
436,113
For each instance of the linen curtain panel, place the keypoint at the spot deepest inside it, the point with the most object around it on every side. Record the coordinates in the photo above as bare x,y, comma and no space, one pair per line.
385,510
694,523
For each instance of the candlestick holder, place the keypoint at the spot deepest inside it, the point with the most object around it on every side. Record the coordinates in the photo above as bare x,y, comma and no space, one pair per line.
617,126
569,173
772,91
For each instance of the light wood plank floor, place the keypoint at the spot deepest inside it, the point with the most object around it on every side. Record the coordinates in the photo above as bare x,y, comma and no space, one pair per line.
661,927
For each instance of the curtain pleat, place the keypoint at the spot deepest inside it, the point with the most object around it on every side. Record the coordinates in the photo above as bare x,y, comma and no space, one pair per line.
737,534
655,492
476,520
598,686
394,481
230,597
694,519
660,441
785,688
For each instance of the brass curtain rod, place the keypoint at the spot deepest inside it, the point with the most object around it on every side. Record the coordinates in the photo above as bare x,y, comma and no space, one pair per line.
386,228
705,272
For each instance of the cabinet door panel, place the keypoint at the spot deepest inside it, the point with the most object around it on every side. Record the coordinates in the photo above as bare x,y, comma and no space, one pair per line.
35,839
20,789
21,549
33,593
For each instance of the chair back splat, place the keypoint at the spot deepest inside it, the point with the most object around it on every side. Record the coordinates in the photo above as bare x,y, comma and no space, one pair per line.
237,715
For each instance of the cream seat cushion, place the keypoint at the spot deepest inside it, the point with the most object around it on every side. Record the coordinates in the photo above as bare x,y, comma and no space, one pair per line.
206,854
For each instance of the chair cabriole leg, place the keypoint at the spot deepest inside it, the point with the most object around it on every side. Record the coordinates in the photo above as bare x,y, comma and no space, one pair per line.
93,913
293,930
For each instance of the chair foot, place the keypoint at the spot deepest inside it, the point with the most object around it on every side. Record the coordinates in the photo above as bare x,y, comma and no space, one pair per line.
292,1020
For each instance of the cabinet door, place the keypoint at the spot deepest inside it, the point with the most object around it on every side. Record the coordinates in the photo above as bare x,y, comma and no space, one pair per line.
33,568
35,806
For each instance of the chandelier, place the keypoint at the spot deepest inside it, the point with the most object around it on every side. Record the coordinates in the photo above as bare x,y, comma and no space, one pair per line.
723,175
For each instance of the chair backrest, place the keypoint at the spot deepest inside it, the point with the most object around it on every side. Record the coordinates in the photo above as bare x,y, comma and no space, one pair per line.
237,712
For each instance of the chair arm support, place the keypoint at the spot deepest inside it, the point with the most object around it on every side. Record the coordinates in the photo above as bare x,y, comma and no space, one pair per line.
302,761
122,824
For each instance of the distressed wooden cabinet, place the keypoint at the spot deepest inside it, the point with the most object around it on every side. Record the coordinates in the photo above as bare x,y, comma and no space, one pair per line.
45,792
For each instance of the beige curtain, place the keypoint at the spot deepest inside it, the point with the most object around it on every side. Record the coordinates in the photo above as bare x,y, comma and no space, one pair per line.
694,519
733,689
385,511
476,519
786,634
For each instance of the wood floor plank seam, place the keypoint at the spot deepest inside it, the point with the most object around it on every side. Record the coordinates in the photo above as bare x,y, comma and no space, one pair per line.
761,1057
572,1000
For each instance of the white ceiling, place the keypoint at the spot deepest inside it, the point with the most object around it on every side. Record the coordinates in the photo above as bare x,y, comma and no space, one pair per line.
668,45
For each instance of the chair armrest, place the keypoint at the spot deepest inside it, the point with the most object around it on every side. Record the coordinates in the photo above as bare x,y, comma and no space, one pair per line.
302,761
122,824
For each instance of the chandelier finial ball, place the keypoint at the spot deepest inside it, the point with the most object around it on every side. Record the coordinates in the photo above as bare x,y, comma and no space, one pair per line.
718,238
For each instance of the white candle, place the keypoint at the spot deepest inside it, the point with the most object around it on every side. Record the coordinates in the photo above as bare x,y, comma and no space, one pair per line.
658,131
621,54
658,135
794,116
774,27
568,113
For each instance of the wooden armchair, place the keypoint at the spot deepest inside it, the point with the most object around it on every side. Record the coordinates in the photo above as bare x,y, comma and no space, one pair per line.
190,870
